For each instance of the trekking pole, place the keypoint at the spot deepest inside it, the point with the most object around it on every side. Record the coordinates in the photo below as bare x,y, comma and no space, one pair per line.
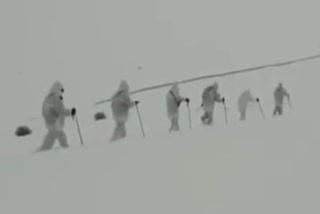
79,131
189,114
140,121
261,109
225,110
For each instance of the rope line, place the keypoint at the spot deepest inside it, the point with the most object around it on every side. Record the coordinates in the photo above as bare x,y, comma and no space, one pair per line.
241,71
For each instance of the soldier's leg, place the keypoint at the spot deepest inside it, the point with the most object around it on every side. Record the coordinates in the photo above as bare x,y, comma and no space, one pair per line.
123,131
205,118
172,125
280,110
210,118
242,115
62,137
116,132
175,124
48,141
275,111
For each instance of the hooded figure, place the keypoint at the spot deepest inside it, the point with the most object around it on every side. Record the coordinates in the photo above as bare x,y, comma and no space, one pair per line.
243,101
174,100
210,95
54,114
279,94
120,105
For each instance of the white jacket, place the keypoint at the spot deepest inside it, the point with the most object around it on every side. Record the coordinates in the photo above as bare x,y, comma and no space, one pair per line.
244,99
53,109
121,103
279,95
210,95
174,100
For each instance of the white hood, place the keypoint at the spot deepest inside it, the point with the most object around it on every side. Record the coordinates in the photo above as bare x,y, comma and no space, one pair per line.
57,88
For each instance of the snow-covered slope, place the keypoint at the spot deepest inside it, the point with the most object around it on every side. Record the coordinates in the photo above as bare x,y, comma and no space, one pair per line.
260,166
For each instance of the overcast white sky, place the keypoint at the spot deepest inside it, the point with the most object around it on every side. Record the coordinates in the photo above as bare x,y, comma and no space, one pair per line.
90,45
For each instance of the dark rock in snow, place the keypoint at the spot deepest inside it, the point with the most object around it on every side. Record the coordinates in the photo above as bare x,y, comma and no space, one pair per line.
100,116
23,131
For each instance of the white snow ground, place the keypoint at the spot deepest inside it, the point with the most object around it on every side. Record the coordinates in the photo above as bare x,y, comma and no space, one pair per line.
260,166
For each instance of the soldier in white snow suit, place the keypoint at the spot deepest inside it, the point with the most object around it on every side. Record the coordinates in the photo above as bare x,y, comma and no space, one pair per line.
244,99
174,100
210,95
54,114
279,94
120,105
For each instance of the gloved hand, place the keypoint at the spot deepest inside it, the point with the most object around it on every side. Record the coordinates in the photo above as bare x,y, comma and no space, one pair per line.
73,112
136,102
187,100
258,100
223,99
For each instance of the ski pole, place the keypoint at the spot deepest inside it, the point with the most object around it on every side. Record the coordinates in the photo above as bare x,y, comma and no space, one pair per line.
189,114
79,131
140,121
225,110
261,110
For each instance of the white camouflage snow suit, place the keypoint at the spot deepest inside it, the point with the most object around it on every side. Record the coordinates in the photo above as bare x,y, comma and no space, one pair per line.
54,114
244,99
210,95
279,94
120,105
174,100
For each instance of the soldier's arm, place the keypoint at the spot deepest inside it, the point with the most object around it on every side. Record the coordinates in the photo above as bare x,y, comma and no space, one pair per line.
285,92
177,97
218,98
131,103
252,99
60,108
180,99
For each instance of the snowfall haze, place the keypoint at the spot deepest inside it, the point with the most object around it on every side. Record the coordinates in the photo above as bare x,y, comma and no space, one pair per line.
259,166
